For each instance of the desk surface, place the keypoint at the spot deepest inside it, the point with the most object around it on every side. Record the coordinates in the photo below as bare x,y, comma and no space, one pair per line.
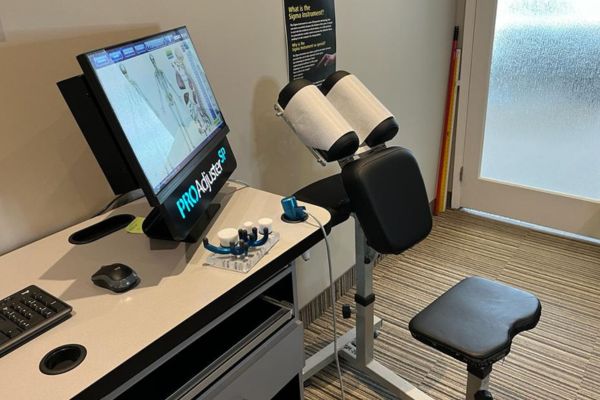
176,286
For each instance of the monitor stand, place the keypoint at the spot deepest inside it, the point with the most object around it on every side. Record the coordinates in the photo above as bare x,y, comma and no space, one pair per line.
155,227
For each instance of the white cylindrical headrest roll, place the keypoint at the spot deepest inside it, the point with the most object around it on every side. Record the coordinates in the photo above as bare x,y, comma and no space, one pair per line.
316,121
372,121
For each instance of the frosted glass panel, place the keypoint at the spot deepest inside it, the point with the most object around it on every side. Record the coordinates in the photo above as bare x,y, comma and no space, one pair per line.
543,117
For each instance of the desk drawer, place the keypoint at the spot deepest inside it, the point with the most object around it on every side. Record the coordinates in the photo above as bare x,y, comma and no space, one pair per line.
268,369
204,361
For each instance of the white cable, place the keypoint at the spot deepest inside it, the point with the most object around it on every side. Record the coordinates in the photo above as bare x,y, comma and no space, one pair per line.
332,292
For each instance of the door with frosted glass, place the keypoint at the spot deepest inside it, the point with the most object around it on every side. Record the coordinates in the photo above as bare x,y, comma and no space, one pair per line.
532,144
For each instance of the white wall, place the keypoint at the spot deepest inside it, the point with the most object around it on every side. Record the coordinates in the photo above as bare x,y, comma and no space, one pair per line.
49,178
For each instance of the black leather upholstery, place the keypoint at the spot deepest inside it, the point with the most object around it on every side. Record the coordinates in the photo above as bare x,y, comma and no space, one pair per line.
387,193
328,193
476,320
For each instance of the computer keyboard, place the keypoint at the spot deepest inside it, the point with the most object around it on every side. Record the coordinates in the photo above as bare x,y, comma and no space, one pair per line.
26,314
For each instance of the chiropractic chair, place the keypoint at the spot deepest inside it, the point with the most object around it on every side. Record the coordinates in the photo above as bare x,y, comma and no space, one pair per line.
382,188
474,322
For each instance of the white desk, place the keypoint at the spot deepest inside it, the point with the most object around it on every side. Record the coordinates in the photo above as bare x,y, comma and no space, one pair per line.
175,286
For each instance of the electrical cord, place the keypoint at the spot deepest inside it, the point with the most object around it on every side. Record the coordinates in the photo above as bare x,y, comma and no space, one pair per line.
109,205
240,182
332,292
132,196
243,186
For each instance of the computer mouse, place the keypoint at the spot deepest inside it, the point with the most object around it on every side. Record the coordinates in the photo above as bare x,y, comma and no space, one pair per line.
116,277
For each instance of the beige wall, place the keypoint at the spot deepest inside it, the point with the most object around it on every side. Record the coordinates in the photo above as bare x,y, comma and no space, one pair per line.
49,178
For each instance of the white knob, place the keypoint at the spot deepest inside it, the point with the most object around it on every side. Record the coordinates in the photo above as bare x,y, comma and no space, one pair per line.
265,223
226,236
248,226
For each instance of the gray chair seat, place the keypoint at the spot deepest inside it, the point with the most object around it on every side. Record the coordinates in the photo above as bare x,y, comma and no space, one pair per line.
476,320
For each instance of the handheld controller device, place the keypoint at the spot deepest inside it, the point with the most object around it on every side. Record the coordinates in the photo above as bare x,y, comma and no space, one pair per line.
292,212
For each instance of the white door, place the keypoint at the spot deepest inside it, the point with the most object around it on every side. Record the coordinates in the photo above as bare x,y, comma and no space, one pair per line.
532,118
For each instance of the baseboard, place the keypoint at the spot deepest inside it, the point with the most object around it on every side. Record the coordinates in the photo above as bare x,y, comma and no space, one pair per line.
448,202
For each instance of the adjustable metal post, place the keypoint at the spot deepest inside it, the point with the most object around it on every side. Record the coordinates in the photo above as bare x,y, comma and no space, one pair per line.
364,298
356,345
478,384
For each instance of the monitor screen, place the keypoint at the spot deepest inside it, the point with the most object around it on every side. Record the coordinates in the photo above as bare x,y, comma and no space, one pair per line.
162,100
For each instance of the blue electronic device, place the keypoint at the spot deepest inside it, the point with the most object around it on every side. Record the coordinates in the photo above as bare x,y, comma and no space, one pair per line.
292,212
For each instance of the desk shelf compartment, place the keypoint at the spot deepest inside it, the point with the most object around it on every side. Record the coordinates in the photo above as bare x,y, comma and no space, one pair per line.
200,364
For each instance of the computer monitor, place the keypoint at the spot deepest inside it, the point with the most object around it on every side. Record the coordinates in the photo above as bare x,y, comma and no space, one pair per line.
163,118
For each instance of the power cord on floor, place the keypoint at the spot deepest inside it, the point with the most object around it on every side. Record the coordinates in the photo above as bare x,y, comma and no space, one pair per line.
332,292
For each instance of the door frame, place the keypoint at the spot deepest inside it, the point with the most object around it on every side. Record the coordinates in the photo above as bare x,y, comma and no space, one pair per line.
462,110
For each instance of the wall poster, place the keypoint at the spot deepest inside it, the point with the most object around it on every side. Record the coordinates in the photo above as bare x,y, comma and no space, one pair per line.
310,31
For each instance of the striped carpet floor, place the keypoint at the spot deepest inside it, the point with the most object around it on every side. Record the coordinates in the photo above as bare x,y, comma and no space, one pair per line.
559,359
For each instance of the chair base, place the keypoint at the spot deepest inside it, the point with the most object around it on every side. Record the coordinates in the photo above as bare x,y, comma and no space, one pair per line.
345,343
477,388
347,350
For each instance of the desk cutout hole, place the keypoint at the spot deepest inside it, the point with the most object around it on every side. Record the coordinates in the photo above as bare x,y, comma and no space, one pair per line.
63,359
101,229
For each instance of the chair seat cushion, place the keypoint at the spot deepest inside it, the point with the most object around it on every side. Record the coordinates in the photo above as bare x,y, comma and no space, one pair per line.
330,194
476,320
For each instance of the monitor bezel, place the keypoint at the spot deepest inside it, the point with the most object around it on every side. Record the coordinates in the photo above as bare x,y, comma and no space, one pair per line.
158,198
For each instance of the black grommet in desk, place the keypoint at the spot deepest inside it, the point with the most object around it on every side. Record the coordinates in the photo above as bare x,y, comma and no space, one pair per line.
101,229
293,221
62,359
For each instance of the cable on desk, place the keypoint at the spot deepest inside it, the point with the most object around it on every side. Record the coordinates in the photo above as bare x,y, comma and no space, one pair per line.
241,182
130,196
109,205
332,292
